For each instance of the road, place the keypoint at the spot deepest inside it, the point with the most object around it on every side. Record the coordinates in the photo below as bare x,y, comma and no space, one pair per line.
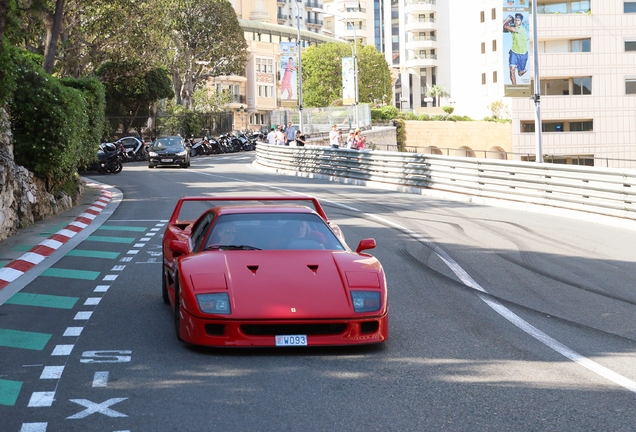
499,320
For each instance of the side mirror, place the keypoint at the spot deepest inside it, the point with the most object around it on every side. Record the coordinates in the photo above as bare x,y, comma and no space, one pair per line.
178,248
366,244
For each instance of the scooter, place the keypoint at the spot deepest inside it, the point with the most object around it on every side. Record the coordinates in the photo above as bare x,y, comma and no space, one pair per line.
108,159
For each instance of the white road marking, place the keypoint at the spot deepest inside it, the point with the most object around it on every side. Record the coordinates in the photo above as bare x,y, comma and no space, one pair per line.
52,372
150,234
101,288
118,268
100,379
154,229
145,239
133,252
73,331
110,277
126,259
84,315
41,399
92,301
139,245
92,408
496,306
33,427
62,350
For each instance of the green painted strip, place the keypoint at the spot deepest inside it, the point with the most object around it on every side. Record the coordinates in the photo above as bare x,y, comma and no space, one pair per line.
111,239
2,264
122,228
93,254
53,230
9,391
71,274
22,248
22,339
43,300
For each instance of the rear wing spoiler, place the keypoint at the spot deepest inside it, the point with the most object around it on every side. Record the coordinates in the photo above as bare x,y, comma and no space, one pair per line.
309,201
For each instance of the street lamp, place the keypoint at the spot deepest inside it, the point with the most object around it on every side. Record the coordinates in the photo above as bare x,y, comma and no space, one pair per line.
428,100
355,55
243,113
300,67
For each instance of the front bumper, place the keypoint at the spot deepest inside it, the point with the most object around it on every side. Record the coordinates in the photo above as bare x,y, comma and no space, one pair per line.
167,160
261,333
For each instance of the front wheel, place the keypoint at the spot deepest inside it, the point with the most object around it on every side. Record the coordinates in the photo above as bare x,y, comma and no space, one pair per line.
115,167
177,308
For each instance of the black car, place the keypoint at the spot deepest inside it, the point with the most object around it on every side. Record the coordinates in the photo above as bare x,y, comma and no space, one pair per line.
168,151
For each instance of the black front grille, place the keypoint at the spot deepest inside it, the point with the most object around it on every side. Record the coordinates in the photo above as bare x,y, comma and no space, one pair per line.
292,329
369,327
215,329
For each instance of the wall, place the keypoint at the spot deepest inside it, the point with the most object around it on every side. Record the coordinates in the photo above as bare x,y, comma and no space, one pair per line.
23,198
473,135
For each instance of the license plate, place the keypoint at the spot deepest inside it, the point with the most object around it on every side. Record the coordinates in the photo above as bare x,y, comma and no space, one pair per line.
166,160
291,340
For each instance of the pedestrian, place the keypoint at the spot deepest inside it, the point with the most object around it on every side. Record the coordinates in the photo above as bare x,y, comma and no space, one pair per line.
271,136
334,137
350,139
280,136
358,140
300,139
290,133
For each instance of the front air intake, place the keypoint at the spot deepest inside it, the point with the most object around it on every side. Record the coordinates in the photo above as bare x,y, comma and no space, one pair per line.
292,329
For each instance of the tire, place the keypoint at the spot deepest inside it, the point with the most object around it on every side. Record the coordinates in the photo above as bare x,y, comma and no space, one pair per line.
151,166
139,157
193,152
177,312
116,168
164,287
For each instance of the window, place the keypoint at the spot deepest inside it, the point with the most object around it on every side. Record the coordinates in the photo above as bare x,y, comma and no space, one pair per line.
483,79
630,86
582,6
493,13
483,47
582,86
544,8
581,126
581,45
559,126
494,77
494,45
552,127
482,16
629,7
630,45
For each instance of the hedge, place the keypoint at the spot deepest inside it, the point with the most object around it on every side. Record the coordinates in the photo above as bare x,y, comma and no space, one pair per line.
56,124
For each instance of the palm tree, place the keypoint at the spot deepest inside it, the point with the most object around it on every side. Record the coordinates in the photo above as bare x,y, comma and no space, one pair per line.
437,92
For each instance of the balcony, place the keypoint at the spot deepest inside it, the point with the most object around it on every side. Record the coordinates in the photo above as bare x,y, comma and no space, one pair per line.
354,14
418,6
416,42
313,4
420,24
281,2
420,60
238,99
260,16
314,22
281,17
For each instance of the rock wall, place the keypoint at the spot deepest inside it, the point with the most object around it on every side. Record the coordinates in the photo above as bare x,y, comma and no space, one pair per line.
23,198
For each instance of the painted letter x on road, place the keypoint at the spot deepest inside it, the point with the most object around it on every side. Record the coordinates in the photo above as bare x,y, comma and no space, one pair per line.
101,408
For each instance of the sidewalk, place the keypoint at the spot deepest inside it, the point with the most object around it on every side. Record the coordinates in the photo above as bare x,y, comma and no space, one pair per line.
34,244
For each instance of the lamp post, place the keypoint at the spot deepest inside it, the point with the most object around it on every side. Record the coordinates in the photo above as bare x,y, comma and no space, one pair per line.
355,56
300,67
243,113
428,100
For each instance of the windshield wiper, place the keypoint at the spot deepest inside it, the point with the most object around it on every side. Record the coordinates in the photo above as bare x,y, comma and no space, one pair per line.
231,247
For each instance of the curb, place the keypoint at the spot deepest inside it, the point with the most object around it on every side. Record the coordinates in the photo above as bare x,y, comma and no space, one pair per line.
38,253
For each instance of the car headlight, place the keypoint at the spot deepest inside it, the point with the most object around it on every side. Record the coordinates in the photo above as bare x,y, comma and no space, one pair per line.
365,301
217,303
183,153
152,154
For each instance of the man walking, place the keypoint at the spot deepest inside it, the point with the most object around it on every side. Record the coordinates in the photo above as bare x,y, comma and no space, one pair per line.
518,57
271,136
290,134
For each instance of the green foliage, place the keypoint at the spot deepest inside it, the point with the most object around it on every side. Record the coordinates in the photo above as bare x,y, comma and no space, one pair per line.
496,120
52,123
322,74
7,72
180,121
448,109
211,100
400,132
499,110
389,112
376,114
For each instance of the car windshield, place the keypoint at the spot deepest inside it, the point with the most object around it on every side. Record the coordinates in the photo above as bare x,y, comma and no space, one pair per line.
164,143
271,231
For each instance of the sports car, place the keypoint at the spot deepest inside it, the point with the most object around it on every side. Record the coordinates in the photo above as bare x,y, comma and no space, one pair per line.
274,271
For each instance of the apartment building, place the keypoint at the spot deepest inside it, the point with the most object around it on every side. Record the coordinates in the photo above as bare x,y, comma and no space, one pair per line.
267,23
587,67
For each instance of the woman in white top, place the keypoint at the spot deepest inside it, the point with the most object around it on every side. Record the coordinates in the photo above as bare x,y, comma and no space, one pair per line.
334,137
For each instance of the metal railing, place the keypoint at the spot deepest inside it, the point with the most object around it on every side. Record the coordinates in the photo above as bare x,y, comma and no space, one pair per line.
608,192
415,2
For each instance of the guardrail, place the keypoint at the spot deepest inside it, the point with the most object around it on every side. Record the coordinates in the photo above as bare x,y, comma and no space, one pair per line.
603,191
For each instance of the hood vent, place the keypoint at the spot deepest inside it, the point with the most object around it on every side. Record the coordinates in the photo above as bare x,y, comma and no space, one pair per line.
252,268
313,268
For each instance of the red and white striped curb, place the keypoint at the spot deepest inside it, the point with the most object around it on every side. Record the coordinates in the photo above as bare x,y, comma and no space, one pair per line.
37,254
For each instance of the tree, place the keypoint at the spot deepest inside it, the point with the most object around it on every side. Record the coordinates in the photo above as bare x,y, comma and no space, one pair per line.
322,74
130,90
206,41
437,92
499,110
210,100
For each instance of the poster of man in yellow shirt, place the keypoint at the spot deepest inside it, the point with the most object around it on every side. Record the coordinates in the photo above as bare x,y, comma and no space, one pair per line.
517,79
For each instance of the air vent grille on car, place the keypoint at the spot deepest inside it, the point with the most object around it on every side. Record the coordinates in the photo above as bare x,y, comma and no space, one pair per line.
292,329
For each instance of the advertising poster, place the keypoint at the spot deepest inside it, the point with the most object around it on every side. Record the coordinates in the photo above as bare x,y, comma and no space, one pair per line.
289,74
516,45
348,81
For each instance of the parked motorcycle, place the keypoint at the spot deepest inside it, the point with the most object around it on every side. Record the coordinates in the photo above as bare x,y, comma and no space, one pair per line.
134,149
108,159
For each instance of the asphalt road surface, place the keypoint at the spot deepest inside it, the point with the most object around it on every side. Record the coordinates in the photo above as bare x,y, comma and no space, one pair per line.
500,320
